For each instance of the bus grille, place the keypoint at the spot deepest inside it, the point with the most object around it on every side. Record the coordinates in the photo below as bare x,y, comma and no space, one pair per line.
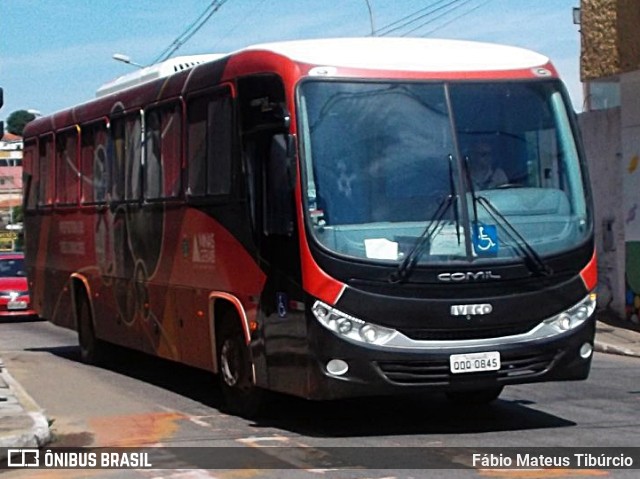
435,373
468,333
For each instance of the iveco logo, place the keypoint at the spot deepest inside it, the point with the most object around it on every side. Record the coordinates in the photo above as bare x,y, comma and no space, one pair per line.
470,309
468,276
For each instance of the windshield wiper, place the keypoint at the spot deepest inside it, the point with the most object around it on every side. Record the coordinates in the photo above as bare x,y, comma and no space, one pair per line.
405,268
532,259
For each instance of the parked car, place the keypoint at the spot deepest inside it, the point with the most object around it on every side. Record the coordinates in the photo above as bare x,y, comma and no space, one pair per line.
15,301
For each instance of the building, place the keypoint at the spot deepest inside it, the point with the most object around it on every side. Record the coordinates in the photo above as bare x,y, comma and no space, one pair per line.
610,71
10,186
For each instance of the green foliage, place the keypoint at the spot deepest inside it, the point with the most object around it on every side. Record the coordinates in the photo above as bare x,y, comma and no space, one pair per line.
17,214
18,120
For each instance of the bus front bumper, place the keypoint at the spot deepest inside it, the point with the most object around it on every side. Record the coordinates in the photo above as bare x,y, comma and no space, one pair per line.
337,368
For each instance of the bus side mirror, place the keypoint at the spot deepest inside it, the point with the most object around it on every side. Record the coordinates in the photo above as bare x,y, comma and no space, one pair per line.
280,182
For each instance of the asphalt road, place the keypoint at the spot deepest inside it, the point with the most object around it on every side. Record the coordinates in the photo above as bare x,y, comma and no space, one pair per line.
138,401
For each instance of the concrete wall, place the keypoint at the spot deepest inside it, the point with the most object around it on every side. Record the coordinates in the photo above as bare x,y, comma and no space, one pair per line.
601,132
610,50
630,137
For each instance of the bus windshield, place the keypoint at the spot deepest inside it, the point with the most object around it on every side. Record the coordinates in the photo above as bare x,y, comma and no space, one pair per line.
450,166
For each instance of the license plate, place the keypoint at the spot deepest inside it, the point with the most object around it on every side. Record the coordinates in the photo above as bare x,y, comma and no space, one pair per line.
17,305
474,362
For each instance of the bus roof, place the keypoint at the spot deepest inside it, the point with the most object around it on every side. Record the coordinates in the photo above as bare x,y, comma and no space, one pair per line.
400,54
370,56
407,54
152,72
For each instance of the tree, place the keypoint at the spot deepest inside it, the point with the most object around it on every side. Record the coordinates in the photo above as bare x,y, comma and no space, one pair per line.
17,121
17,215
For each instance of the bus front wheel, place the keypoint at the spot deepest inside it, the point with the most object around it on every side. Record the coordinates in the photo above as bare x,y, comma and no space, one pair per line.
240,395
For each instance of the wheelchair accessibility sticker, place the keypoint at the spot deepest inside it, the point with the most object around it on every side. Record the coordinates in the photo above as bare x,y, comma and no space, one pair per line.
485,239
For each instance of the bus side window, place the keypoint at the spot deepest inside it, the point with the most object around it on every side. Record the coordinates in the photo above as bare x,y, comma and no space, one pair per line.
261,108
115,167
209,145
66,167
219,141
94,159
172,150
133,157
197,146
162,174
153,155
30,165
45,170
124,166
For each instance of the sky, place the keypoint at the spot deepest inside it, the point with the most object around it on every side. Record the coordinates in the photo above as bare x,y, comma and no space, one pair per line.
55,54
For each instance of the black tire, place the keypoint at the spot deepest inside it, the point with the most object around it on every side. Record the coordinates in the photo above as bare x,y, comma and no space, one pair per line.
92,350
241,396
475,396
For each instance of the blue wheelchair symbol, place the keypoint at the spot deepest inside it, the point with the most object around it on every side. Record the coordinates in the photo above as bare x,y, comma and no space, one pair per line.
485,239
281,304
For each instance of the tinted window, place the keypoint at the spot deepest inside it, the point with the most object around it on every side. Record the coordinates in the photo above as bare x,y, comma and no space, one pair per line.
12,267
210,126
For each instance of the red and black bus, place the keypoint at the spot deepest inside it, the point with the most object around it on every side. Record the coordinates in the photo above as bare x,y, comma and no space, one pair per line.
324,218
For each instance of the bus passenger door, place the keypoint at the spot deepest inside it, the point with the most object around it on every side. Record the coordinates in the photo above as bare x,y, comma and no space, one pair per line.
269,161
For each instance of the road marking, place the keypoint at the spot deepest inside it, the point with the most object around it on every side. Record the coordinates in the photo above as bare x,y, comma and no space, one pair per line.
292,452
199,422
253,441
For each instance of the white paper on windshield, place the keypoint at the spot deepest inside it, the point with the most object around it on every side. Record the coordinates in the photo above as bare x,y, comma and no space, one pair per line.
381,248
445,242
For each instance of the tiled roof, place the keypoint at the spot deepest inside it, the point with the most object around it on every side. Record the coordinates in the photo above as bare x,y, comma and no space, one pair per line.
10,137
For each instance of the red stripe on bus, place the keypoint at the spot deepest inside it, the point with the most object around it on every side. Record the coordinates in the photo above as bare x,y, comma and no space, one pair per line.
589,273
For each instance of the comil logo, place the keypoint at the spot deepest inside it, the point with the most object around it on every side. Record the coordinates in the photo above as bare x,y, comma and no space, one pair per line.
23,458
468,276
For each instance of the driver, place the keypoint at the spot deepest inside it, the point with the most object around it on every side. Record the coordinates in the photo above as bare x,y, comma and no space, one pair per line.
484,173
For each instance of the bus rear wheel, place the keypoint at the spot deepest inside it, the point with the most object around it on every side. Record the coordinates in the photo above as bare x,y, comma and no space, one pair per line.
475,396
240,395
92,350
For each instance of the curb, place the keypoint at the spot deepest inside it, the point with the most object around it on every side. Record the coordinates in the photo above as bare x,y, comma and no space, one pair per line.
603,347
31,425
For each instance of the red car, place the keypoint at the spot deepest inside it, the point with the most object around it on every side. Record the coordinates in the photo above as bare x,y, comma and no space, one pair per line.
14,291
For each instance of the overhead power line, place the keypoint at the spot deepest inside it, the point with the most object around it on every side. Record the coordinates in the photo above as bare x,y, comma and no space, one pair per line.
464,14
191,30
454,6
413,17
419,19
239,22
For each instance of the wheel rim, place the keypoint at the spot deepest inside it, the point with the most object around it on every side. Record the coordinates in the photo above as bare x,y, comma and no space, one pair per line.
230,363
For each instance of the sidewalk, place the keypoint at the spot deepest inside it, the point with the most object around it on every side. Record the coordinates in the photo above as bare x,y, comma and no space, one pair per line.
24,424
616,336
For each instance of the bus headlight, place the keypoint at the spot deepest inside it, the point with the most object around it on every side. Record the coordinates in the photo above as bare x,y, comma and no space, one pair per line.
349,327
574,316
